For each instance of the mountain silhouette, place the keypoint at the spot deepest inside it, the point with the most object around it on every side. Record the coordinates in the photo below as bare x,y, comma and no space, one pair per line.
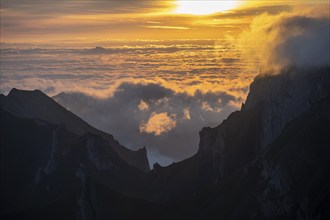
270,160
35,104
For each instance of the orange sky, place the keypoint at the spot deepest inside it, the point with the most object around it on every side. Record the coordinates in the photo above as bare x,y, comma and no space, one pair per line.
46,20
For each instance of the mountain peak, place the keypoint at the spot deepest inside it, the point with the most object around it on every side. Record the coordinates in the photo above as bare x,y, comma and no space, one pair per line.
16,91
36,104
273,102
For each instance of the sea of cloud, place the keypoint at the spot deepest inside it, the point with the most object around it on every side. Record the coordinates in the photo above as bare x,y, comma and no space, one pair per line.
153,94
161,94
153,116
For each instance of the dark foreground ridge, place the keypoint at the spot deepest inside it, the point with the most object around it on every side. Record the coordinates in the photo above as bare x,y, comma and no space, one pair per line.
270,160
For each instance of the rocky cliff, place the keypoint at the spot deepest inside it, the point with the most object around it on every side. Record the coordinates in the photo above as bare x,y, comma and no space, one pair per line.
273,102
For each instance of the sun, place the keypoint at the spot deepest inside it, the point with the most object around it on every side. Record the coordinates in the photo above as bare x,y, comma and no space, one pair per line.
199,7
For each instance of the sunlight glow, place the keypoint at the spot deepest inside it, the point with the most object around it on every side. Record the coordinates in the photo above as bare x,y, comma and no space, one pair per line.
198,7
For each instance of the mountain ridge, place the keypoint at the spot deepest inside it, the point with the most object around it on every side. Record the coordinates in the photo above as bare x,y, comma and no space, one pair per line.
267,161
31,104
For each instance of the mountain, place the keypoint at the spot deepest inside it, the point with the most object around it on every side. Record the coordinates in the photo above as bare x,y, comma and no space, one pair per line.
40,162
273,102
35,104
267,161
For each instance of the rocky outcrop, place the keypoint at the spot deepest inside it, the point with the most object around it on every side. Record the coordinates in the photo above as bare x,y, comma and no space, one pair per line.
41,162
240,139
234,143
296,167
273,102
285,96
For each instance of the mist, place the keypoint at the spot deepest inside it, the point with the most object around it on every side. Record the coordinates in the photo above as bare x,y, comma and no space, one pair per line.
150,115
299,38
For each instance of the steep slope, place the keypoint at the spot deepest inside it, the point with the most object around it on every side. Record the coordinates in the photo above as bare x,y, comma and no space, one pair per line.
40,162
31,104
268,161
285,96
214,160
296,168
274,101
235,176
288,181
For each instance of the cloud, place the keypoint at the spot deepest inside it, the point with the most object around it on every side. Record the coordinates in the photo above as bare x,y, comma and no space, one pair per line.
143,106
94,20
186,114
40,20
195,66
168,127
155,157
166,27
118,88
64,7
158,123
299,38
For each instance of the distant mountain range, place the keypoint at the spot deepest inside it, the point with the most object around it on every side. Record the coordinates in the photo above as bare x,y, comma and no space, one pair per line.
270,160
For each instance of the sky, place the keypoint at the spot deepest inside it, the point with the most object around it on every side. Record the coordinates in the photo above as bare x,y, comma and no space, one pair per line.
100,20
154,73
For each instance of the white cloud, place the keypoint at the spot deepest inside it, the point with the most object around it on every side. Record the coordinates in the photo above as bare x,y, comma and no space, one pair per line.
299,38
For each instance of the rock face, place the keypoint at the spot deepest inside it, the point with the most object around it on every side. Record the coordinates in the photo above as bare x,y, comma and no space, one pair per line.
285,96
273,102
40,162
35,104
260,158
296,170
268,161
279,134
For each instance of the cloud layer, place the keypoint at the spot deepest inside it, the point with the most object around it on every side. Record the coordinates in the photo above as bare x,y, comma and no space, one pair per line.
87,20
157,94
183,66
150,115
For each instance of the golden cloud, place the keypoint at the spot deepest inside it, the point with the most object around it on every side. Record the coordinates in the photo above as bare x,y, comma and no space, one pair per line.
297,38
143,106
158,123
